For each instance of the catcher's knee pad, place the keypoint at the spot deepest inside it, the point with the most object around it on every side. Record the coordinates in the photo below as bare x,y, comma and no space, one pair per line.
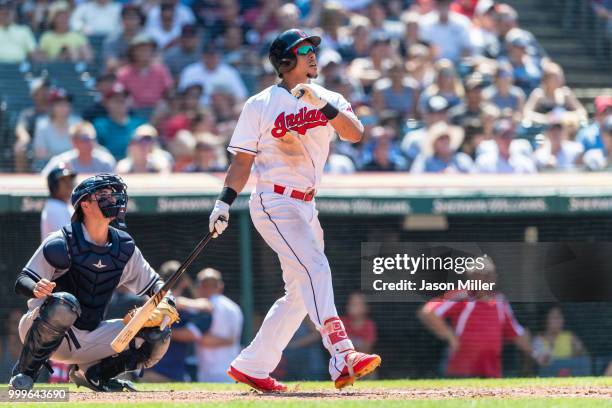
57,314
155,346
60,310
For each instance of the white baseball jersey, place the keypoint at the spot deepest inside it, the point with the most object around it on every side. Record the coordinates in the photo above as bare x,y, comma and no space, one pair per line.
289,138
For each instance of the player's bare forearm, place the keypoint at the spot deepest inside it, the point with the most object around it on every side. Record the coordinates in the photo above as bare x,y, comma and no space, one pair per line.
524,343
347,128
239,171
183,335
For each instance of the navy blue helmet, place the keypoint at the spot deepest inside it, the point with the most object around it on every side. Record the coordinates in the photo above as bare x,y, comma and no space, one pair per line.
281,50
56,174
113,205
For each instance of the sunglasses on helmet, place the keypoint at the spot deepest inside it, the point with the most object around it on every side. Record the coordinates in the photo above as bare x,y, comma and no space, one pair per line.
305,49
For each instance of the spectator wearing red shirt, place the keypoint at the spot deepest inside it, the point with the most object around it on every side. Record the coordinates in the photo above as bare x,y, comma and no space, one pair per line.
359,327
465,7
480,322
145,79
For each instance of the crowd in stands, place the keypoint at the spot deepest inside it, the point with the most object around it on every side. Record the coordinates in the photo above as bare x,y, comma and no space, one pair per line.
441,86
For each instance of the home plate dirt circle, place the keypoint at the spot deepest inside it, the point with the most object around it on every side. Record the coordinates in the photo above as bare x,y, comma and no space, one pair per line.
360,394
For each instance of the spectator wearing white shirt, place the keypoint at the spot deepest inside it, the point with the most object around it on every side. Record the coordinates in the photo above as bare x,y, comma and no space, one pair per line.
212,74
213,352
96,17
87,157
447,32
557,152
503,159
166,33
57,210
182,16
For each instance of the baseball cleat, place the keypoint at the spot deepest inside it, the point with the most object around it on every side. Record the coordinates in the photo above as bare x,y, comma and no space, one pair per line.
111,385
21,382
264,385
357,365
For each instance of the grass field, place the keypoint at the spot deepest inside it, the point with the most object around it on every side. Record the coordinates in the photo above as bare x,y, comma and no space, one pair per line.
507,393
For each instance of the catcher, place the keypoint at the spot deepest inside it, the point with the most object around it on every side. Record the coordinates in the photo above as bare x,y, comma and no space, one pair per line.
70,280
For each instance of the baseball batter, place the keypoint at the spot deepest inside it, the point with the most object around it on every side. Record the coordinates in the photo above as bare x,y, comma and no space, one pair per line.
283,133
70,280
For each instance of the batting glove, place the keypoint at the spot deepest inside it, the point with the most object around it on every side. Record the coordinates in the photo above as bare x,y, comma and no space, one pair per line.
307,93
219,217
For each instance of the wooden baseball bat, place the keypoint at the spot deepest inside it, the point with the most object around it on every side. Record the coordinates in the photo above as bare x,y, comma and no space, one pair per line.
123,338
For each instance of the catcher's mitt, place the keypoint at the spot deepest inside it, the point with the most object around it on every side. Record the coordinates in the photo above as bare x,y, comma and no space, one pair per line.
165,308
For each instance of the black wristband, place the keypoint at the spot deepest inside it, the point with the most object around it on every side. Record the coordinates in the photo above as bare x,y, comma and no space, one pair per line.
329,111
228,195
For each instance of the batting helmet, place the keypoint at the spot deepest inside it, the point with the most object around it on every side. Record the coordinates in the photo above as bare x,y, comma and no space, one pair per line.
281,50
114,205
56,174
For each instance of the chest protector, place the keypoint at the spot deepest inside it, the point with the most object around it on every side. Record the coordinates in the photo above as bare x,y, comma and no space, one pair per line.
94,272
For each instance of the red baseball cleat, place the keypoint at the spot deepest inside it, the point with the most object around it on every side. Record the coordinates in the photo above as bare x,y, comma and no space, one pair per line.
260,384
357,365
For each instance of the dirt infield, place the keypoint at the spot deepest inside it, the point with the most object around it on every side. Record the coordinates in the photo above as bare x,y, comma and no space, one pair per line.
360,394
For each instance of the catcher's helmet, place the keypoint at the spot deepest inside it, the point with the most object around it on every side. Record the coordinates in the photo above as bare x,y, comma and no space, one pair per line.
56,174
281,50
114,205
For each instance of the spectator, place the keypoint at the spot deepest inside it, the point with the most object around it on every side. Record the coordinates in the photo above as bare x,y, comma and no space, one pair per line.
446,84
10,344
411,32
419,66
166,34
552,96
503,93
96,17
436,110
144,78
51,134
233,51
228,14
57,210
396,92
357,44
34,14
373,67
382,153
380,24
360,328
557,152
182,16
508,29
207,156
525,69
144,154
503,159
466,8
26,122
447,32
217,351
115,49
483,33
210,72
473,105
86,157
61,44
441,152
186,52
591,136
555,343
116,128
600,158
18,43
104,85
475,338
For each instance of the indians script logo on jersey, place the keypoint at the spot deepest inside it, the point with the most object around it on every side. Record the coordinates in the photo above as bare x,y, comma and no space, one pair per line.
300,122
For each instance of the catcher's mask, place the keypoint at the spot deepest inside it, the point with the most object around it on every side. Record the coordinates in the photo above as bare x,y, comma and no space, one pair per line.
112,205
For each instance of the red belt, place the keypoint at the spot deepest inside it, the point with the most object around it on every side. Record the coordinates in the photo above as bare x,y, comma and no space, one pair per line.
298,195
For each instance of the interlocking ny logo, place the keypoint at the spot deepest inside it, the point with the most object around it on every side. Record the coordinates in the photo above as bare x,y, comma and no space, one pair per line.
99,265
